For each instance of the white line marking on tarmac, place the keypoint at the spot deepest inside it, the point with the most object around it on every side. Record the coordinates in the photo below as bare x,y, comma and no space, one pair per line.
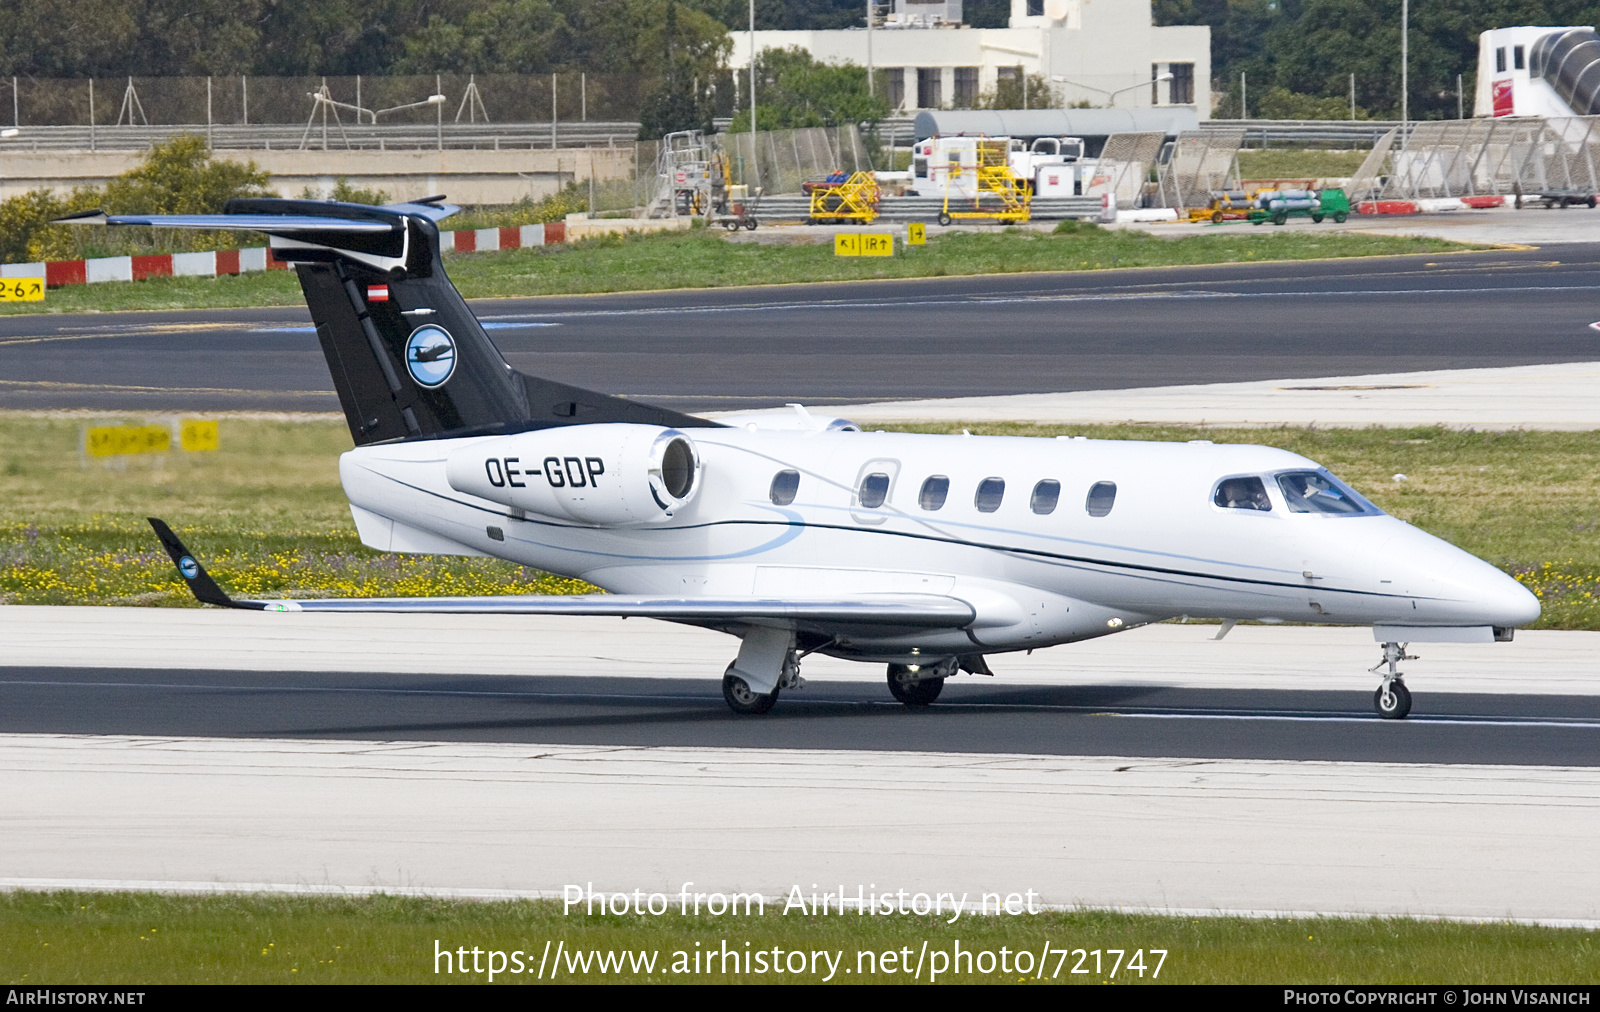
1002,300
1473,721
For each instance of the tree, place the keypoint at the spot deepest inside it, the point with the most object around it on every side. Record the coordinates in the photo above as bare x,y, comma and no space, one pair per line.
507,37
794,90
1008,94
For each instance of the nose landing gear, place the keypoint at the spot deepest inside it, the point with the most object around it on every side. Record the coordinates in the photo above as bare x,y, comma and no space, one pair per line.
1392,700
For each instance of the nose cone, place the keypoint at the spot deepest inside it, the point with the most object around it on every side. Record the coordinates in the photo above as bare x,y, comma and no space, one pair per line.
1451,587
1508,602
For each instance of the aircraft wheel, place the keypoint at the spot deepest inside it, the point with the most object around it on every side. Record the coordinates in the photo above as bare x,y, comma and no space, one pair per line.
944,219
1396,704
740,697
919,693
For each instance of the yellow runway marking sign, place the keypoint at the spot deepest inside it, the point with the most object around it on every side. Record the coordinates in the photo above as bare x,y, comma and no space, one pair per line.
119,440
863,244
198,435
21,289
916,234
194,435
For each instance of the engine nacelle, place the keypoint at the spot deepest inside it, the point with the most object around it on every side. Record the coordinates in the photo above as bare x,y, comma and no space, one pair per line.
608,475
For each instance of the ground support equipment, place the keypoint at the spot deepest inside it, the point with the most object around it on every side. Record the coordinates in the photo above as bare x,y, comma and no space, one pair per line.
853,199
1009,196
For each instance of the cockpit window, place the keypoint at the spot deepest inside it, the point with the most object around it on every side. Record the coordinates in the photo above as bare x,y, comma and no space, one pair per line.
1242,494
1321,492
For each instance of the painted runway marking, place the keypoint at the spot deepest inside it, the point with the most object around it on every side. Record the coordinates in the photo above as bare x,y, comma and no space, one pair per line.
486,326
995,300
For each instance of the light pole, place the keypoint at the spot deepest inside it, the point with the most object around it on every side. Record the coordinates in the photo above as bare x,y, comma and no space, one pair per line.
1111,96
1405,65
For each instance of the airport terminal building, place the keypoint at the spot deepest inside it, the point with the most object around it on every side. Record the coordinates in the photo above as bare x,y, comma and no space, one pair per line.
1107,52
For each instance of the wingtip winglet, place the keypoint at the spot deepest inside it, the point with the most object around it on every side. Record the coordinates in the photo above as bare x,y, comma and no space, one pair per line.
201,585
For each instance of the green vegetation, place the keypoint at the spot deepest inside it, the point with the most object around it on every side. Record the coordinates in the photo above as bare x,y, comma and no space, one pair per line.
267,513
272,520
178,176
1298,163
143,938
1309,49
705,259
795,90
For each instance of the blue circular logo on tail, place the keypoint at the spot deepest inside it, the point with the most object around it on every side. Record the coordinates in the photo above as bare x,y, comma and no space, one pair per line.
431,355
188,567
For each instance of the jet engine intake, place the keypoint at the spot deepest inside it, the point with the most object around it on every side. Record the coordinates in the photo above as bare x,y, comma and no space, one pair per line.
605,475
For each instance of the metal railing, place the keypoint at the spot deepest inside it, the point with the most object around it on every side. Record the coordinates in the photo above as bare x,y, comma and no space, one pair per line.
333,136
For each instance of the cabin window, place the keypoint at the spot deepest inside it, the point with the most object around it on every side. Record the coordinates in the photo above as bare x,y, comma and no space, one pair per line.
1320,492
1102,496
933,493
874,490
1242,494
1045,496
784,485
1519,58
990,492
1500,60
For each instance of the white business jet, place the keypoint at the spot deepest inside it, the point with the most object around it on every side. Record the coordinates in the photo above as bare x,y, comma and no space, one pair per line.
800,534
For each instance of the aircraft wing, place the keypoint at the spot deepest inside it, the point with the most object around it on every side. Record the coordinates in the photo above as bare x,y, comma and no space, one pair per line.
896,610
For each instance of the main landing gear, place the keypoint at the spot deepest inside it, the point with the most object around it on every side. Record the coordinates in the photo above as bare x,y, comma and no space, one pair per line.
1392,699
915,686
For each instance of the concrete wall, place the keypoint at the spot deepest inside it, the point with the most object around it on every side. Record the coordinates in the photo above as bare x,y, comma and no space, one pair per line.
465,176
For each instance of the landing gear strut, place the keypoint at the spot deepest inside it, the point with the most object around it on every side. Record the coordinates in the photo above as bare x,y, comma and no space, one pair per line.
1392,699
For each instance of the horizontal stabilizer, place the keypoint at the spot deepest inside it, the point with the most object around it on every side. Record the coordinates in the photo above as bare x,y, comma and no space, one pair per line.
273,224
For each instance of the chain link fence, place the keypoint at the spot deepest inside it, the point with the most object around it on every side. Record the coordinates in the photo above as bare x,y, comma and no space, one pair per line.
242,101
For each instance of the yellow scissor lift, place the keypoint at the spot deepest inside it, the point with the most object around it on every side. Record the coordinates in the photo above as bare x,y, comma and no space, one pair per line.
993,175
855,199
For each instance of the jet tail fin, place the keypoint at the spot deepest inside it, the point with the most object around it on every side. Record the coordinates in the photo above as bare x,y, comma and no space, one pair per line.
408,357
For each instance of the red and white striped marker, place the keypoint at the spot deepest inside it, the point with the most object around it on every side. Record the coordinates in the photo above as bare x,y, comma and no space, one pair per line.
377,293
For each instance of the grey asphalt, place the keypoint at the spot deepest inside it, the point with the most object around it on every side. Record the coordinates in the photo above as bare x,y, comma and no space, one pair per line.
847,343
970,717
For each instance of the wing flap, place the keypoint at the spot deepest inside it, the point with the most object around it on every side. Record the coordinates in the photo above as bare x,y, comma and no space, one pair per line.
919,610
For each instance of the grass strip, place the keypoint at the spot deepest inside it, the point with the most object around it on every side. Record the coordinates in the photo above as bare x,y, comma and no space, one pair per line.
703,258
267,512
149,938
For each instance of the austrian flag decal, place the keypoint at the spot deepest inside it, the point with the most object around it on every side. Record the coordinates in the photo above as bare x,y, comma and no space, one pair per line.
377,293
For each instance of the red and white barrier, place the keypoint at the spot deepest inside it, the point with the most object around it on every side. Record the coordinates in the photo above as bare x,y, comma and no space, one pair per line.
258,258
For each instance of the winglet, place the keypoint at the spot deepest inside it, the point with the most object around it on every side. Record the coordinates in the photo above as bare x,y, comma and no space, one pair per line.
201,584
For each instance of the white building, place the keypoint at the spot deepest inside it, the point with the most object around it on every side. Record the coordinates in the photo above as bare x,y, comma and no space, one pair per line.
1106,52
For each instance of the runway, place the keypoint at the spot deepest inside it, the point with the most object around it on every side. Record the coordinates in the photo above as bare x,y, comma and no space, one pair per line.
1164,691
995,335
